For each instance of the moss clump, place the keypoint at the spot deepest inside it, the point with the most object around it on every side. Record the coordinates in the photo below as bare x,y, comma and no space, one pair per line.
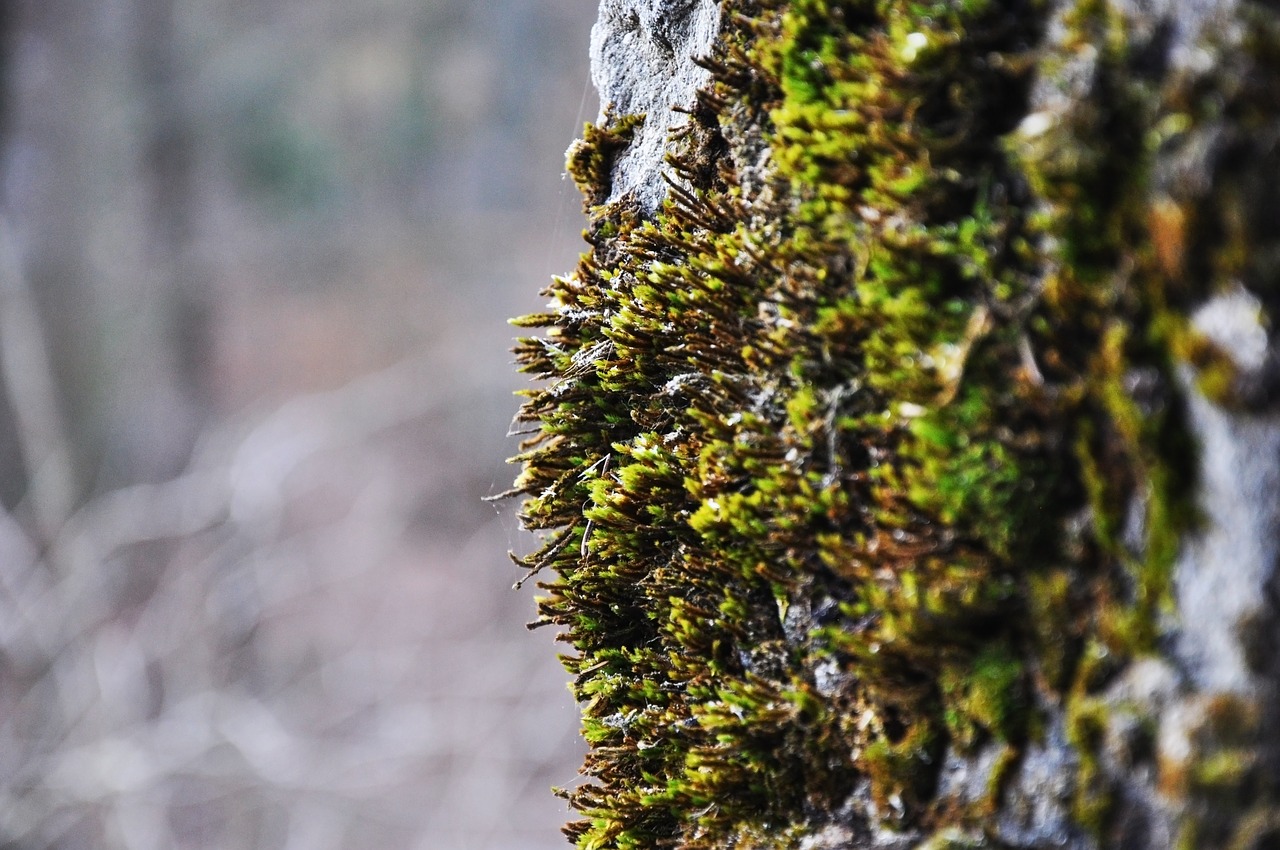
590,159
985,696
861,459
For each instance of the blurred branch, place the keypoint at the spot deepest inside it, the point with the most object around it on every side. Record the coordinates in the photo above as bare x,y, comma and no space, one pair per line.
28,376
113,695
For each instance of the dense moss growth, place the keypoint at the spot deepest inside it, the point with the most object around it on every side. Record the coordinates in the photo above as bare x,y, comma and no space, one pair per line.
874,453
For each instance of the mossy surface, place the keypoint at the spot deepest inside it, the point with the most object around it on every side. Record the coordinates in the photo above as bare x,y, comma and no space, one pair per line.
877,455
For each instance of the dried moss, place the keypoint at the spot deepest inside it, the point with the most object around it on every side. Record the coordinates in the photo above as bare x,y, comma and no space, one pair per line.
880,453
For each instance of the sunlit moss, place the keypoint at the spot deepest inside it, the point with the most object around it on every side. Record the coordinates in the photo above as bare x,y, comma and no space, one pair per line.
878,453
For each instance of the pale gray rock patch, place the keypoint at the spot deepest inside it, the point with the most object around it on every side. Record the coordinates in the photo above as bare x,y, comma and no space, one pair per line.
1225,570
1037,805
642,62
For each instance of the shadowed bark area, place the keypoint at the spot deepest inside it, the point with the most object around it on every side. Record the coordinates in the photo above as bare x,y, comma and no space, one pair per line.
909,475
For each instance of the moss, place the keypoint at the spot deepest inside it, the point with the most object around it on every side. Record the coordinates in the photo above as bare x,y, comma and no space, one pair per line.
1087,720
863,458
1258,829
1052,602
986,696
1225,770
899,764
590,160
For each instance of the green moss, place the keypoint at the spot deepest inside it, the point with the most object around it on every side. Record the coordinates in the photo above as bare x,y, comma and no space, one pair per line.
1226,770
590,159
1087,720
1051,602
986,697
841,471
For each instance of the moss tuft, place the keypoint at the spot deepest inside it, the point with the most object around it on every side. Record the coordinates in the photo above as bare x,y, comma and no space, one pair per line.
875,453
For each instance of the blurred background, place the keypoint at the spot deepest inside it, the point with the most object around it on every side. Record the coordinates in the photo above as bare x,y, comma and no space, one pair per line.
256,260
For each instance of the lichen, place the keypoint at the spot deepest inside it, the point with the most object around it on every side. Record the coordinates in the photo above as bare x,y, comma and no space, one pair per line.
877,453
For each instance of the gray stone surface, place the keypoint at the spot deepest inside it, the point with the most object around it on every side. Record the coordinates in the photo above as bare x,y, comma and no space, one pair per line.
1227,569
1036,810
642,62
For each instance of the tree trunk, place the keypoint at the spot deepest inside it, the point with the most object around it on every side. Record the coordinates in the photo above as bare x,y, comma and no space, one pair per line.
94,111
908,461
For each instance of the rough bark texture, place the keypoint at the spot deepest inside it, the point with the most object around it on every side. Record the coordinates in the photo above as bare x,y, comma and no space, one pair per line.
911,467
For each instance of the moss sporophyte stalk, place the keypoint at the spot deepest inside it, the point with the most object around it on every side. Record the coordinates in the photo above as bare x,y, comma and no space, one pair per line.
878,455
